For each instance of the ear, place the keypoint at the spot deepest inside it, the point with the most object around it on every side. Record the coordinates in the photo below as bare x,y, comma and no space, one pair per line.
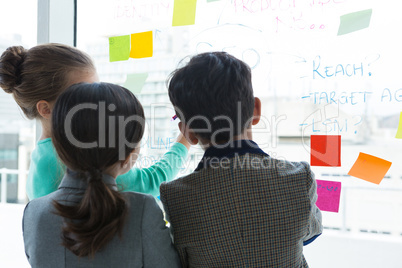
188,133
44,109
257,111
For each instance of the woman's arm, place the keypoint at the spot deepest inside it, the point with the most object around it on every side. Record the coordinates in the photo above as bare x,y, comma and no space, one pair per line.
148,180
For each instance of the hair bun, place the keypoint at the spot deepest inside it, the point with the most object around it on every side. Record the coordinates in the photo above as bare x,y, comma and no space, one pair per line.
10,67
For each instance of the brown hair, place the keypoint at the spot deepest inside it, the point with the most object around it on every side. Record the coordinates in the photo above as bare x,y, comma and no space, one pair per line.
40,73
100,215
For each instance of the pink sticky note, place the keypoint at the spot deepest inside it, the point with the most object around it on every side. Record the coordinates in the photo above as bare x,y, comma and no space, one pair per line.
329,195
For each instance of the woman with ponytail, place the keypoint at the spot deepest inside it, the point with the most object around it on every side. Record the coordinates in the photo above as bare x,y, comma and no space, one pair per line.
35,78
87,222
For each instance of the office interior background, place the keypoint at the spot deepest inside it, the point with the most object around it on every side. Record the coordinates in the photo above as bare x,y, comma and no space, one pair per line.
311,81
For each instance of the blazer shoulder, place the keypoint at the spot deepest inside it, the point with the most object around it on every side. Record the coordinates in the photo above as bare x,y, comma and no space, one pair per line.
40,211
139,202
191,178
285,167
41,203
182,183
137,198
178,188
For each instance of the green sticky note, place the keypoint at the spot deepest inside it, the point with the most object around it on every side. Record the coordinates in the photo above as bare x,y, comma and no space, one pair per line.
184,12
119,48
399,132
135,82
354,21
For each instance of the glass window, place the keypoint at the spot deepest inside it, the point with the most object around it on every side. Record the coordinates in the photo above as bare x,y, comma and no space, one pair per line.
312,76
18,20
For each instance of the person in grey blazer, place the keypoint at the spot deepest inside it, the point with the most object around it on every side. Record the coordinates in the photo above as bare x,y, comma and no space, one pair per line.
87,222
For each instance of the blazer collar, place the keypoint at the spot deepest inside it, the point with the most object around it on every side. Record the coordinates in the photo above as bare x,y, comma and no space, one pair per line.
237,147
72,179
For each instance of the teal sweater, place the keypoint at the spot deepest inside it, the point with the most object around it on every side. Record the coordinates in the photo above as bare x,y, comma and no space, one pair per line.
46,171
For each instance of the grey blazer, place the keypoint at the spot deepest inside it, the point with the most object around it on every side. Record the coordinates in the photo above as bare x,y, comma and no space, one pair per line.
145,242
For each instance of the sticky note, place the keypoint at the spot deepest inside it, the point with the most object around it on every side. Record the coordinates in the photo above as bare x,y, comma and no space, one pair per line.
184,12
135,82
354,21
399,132
329,195
370,168
119,48
325,150
142,45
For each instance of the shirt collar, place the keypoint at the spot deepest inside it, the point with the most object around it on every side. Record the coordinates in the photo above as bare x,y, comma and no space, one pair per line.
229,150
72,179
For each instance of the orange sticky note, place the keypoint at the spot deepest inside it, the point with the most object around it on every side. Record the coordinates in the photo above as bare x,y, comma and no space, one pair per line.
141,45
370,168
325,150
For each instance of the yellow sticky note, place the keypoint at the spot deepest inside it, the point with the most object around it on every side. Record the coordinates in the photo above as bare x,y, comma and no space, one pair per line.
399,132
119,48
142,45
370,168
135,82
184,12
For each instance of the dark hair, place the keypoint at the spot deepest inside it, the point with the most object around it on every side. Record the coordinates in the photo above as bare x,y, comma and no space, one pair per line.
100,215
40,73
209,86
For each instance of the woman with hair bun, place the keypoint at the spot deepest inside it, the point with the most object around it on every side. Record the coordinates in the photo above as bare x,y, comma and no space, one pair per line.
87,222
35,78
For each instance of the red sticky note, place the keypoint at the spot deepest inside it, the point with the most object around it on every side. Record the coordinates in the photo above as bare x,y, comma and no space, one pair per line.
329,195
325,150
370,168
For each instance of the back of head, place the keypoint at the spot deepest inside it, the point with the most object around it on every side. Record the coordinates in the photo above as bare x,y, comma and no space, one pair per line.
94,126
213,95
40,73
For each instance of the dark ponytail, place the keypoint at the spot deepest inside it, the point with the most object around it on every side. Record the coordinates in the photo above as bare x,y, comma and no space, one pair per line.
100,215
